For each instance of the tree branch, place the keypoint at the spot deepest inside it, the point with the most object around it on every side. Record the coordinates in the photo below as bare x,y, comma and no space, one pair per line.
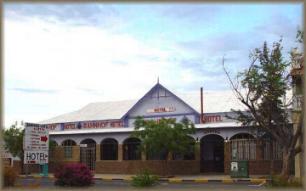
234,88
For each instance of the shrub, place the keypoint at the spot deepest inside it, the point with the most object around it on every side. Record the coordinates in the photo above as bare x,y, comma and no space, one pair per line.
278,181
10,176
144,179
73,175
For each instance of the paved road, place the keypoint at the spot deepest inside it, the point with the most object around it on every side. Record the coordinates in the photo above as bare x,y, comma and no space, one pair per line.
45,183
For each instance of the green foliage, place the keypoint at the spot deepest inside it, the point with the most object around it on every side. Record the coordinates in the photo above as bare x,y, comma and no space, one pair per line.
9,176
279,181
52,144
165,136
300,36
266,82
262,89
13,139
144,179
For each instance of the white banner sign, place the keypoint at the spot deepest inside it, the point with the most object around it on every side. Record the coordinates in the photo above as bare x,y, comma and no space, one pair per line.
36,138
35,157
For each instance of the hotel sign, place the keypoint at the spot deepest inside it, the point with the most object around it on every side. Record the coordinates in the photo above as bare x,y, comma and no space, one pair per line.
35,157
161,110
211,131
36,138
212,118
85,125
35,144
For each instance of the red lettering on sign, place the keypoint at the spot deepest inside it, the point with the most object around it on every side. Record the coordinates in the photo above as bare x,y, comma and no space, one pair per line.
70,126
212,118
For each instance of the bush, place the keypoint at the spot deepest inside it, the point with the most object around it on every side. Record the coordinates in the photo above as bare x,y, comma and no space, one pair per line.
10,176
278,181
144,179
73,175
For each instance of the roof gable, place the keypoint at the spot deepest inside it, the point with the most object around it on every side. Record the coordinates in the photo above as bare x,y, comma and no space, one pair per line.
159,97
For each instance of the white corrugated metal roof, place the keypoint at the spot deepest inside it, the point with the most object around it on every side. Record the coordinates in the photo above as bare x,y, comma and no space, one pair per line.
214,102
131,129
95,111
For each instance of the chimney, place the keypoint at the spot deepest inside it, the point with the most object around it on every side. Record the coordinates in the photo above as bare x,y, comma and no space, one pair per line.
202,115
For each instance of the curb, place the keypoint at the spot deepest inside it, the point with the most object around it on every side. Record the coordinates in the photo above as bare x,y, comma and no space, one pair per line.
172,180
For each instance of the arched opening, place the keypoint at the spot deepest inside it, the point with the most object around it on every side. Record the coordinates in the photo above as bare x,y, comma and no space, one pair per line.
131,149
212,153
243,147
109,149
190,153
67,145
88,153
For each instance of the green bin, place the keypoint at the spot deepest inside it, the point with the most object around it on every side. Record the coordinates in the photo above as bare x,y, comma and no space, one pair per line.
239,169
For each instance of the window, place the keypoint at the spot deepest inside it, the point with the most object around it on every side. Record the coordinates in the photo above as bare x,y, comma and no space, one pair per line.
109,149
67,145
243,147
131,149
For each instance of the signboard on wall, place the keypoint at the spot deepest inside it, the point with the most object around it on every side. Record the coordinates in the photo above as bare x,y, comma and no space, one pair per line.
212,118
161,110
84,125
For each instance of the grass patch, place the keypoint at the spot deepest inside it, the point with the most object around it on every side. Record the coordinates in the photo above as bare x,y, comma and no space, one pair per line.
144,179
278,181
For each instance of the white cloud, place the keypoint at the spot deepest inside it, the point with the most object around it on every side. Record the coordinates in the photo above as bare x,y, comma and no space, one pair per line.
81,63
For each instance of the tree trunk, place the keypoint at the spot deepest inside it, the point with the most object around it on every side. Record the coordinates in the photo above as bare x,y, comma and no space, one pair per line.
271,158
287,157
166,169
22,164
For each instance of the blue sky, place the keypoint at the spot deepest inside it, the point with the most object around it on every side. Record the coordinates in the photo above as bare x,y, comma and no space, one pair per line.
59,57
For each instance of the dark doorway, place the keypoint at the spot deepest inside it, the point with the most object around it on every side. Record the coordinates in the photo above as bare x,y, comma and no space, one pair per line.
212,153
88,153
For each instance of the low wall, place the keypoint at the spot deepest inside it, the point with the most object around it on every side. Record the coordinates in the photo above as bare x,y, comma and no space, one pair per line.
155,166
174,167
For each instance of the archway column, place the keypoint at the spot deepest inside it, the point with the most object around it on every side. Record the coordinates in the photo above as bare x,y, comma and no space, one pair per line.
98,152
143,156
197,151
120,152
227,156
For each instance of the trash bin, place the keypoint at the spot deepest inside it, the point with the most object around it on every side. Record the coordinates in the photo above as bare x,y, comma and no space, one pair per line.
239,169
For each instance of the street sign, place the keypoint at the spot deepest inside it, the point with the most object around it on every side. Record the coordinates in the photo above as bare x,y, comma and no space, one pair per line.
36,138
35,157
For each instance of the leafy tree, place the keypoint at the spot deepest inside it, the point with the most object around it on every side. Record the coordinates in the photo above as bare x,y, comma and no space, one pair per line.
164,136
262,89
13,140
